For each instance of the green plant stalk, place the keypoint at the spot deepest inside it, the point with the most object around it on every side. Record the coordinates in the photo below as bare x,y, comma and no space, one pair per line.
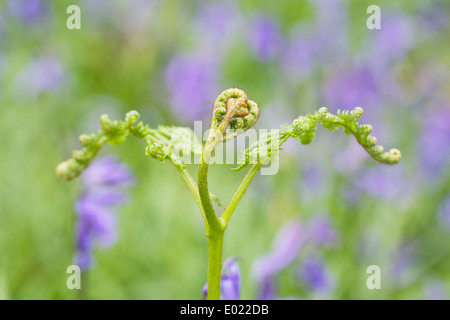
216,231
212,222
226,215
215,246
189,181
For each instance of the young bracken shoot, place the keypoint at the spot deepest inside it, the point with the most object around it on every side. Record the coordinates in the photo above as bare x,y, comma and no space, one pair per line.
232,109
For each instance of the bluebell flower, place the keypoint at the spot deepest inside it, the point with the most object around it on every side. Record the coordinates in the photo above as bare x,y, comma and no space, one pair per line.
299,58
435,290
265,37
434,145
41,75
433,19
216,20
192,83
350,159
28,11
391,43
286,247
331,15
316,276
403,268
321,232
267,289
385,183
230,282
351,88
102,183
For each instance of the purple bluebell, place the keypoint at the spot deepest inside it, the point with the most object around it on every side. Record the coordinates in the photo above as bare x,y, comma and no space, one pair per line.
215,26
354,87
313,181
331,15
310,46
381,182
390,43
403,263
192,83
435,290
289,241
265,37
102,182
433,19
321,232
28,11
286,247
230,282
299,57
350,159
434,144
41,75
267,290
315,275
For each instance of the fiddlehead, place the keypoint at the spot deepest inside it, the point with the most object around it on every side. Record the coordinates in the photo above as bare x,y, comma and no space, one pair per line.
304,128
231,108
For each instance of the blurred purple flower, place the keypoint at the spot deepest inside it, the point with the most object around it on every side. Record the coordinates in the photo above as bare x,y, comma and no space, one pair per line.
215,25
267,290
384,182
444,213
403,257
299,57
28,11
230,282
435,142
102,181
331,15
192,82
41,75
393,40
350,159
265,37
356,87
321,232
314,274
313,182
107,172
313,46
433,19
435,290
286,248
